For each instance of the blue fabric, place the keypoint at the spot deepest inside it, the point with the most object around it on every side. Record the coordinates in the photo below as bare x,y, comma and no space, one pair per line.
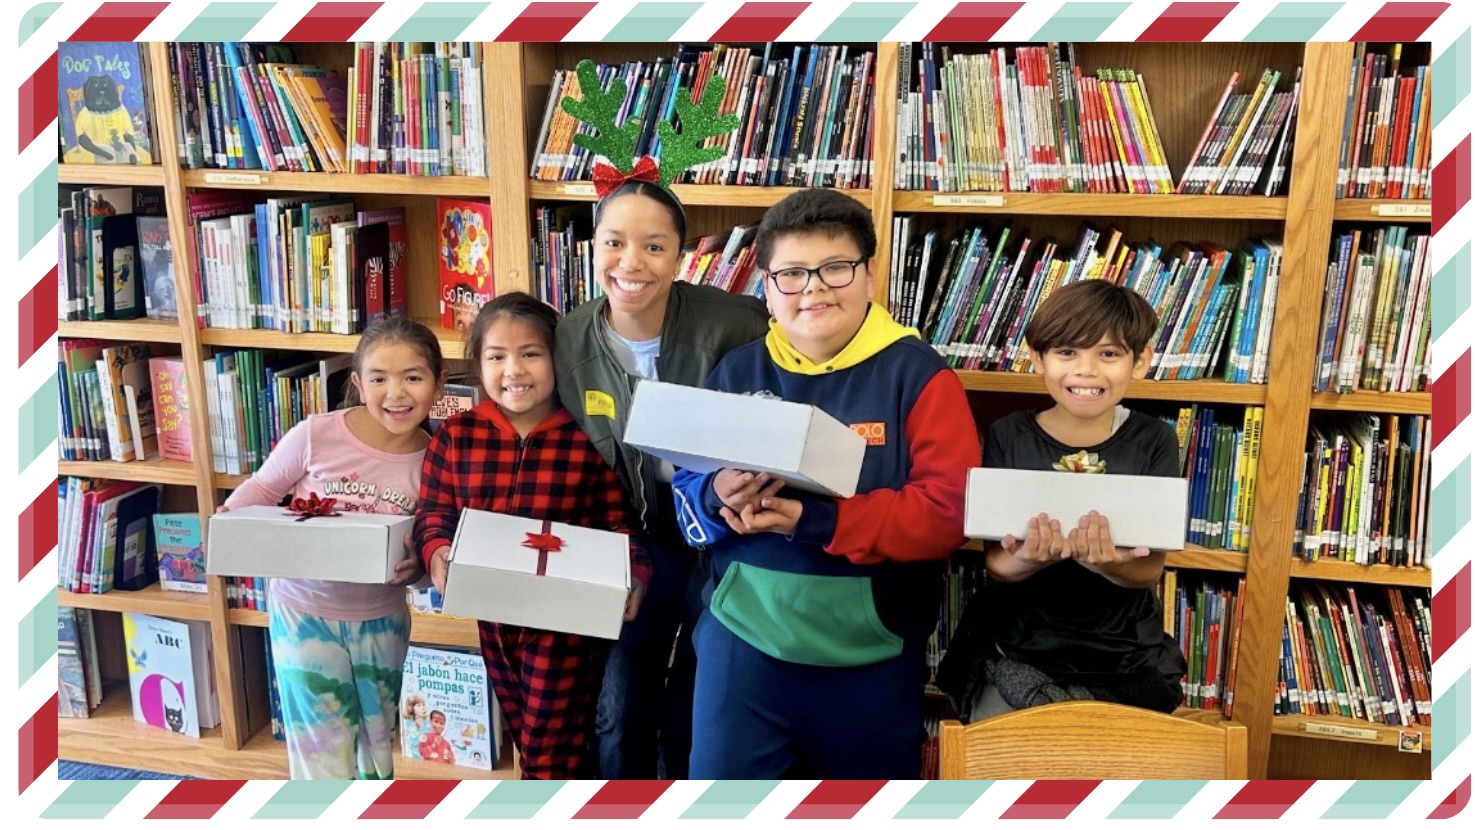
75,771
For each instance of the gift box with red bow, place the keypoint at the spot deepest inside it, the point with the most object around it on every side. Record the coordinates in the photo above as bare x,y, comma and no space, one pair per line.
311,539
539,574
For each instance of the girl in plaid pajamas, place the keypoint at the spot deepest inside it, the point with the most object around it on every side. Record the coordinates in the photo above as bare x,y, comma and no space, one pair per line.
520,452
338,649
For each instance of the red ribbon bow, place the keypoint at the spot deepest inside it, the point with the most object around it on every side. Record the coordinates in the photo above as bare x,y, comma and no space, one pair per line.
544,543
607,179
313,506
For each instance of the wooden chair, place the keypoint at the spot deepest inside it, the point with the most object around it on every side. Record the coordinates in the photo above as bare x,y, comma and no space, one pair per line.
1086,739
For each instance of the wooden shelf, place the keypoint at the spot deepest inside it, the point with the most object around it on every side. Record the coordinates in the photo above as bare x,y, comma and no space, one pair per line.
429,629
226,481
152,471
452,343
1414,211
1403,403
716,195
111,175
153,600
1208,717
1202,391
1202,559
479,187
1336,569
1384,735
145,330
1092,204
112,737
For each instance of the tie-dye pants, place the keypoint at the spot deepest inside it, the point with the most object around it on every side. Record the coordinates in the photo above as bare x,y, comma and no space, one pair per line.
339,683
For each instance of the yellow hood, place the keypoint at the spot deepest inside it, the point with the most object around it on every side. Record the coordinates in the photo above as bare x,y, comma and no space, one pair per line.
876,333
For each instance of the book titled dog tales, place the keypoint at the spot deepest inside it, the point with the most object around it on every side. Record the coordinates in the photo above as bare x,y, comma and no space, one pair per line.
102,104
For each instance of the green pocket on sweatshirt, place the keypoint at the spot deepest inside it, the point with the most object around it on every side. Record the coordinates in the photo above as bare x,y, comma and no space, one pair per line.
804,618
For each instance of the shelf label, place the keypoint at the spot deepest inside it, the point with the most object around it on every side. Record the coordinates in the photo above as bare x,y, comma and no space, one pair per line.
1417,211
578,189
967,200
1336,730
234,178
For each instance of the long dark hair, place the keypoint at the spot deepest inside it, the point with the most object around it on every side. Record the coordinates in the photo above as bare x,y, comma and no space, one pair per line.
395,329
518,305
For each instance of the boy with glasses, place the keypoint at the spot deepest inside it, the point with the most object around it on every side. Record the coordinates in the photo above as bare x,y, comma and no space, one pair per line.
811,653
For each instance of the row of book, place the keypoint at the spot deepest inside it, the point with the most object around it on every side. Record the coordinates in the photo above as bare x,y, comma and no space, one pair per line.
804,114
256,396
1204,617
1365,490
1365,657
563,256
1386,135
79,670
1376,312
114,258
104,104
116,402
409,108
105,535
1221,461
973,300
1248,140
965,577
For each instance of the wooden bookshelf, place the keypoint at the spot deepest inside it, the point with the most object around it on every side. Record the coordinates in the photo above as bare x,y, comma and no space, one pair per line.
427,629
146,331
1202,559
1202,391
1339,571
1413,211
111,175
691,195
226,481
152,471
1091,204
1351,730
1402,403
469,187
152,600
452,343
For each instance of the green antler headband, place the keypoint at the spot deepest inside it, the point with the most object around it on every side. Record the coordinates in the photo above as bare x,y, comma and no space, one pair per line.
680,150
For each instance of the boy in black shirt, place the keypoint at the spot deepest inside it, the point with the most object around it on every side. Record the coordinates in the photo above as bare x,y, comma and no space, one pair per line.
1066,614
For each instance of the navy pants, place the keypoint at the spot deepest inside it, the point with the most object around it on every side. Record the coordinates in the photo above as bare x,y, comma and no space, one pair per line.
643,724
757,717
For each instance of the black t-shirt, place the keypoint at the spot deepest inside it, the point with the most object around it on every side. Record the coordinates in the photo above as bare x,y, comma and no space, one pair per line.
1067,620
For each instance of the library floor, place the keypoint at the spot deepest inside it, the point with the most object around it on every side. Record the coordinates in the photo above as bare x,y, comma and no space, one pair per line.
74,771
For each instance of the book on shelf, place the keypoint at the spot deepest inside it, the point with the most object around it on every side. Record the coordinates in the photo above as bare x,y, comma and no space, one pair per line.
1245,140
448,713
171,399
104,103
254,397
180,544
407,108
105,535
99,258
464,260
804,114
1359,652
460,394
1386,135
76,653
170,673
98,385
562,251
1365,490
972,296
1376,312
1220,452
393,285
156,268
1204,615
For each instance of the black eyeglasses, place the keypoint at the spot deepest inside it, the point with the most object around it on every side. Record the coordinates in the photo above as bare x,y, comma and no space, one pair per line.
832,274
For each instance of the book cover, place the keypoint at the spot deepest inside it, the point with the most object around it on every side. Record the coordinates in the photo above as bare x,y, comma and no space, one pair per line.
371,253
171,407
458,395
71,673
161,672
464,263
155,262
397,293
178,538
103,117
446,708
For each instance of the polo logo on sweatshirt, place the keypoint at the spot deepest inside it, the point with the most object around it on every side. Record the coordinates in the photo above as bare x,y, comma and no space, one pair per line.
599,403
874,432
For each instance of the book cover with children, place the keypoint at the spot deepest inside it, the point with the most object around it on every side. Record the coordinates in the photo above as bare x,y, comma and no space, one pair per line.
178,539
164,677
171,407
102,111
464,262
447,714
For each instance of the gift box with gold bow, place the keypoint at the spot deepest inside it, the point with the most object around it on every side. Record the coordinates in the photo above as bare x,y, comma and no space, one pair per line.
310,539
539,574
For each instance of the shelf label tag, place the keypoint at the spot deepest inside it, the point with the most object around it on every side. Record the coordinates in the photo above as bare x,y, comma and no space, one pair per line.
967,200
1417,211
234,178
1338,731
579,189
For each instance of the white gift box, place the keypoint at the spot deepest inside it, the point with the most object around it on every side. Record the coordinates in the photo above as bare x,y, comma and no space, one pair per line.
271,542
704,431
1141,511
494,575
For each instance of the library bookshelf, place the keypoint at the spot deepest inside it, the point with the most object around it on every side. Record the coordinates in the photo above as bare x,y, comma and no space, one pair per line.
516,81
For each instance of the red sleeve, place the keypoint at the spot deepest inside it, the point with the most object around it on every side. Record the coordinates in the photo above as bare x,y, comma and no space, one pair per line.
614,514
924,519
439,509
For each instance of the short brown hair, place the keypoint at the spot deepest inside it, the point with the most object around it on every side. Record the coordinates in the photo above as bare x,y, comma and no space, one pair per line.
1081,313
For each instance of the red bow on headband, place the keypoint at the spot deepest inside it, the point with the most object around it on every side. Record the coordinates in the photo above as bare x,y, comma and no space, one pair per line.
313,506
607,179
544,543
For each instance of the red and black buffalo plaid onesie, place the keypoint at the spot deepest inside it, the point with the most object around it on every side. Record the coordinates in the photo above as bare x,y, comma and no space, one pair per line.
547,682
